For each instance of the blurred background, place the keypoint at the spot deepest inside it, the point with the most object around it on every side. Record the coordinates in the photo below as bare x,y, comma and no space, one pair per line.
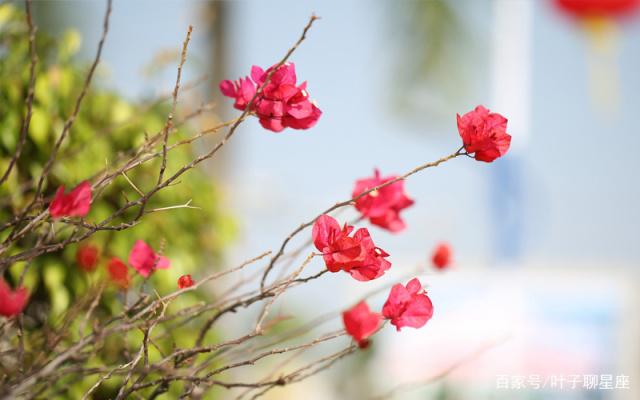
546,240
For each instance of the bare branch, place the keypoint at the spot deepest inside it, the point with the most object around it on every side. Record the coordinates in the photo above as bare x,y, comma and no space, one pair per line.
30,92
169,124
350,202
76,110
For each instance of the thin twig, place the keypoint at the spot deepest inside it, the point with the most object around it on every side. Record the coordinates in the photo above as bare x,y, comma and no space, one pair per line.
176,89
352,201
76,110
30,92
445,372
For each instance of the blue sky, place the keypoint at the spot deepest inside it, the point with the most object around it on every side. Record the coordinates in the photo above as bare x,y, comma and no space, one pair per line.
575,177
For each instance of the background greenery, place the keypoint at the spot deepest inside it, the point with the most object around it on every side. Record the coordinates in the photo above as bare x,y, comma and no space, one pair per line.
106,127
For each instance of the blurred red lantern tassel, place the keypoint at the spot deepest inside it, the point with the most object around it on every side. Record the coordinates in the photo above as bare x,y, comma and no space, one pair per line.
598,19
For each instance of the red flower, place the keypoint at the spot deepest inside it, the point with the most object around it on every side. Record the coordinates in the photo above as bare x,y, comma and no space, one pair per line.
360,323
585,8
382,207
87,257
484,133
408,306
185,281
357,255
144,260
74,204
281,104
441,256
118,272
12,302
242,90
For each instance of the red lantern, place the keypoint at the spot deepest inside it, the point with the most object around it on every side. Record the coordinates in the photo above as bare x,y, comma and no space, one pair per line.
598,8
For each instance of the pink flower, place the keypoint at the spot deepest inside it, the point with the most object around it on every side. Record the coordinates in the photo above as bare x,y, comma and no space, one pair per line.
357,255
281,104
484,133
74,204
408,306
144,260
441,256
241,90
185,281
118,273
360,323
87,257
382,207
12,302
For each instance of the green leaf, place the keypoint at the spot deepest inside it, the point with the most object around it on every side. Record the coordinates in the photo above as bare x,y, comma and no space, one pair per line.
70,44
54,275
6,12
9,132
121,112
39,128
43,90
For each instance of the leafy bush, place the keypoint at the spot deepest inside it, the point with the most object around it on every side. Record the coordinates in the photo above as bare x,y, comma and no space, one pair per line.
106,129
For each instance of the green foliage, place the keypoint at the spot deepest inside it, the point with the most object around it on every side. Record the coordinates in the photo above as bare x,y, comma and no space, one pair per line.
438,53
106,130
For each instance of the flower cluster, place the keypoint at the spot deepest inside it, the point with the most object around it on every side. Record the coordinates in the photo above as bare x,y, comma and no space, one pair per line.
484,134
356,254
12,302
382,206
142,258
441,257
406,306
118,273
74,204
360,323
87,257
185,281
281,103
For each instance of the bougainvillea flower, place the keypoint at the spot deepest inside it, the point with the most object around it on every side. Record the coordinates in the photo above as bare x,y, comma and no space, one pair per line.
144,260
281,104
382,207
242,90
441,257
357,255
87,257
408,306
118,273
484,134
360,323
12,302
74,204
185,281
